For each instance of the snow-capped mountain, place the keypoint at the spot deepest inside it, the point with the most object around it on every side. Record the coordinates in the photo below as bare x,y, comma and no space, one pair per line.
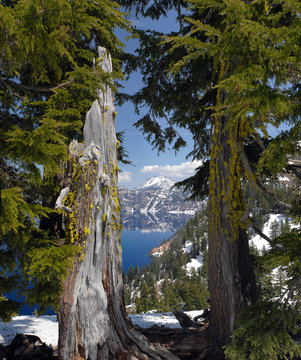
156,201
157,183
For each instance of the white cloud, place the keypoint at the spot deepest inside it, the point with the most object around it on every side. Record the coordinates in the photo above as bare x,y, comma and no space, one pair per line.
125,177
182,170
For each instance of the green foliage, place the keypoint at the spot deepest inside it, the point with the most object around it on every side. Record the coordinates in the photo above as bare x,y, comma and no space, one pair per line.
48,80
8,308
286,252
194,293
264,333
15,210
259,86
47,268
266,329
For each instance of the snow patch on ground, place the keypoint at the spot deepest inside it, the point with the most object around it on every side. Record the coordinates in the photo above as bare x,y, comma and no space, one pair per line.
194,264
257,240
187,247
161,319
157,254
46,327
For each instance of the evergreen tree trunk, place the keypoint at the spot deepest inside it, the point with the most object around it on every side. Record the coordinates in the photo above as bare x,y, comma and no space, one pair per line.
231,277
92,319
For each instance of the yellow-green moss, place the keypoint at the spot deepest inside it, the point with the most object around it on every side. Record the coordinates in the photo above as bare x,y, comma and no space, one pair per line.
225,186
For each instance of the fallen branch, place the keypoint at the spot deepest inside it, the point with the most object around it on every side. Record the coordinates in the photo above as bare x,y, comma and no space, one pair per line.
184,320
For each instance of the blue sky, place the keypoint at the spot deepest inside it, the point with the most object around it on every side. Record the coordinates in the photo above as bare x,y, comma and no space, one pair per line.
146,161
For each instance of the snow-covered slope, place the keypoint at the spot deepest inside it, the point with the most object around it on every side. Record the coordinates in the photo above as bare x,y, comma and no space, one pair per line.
156,198
261,243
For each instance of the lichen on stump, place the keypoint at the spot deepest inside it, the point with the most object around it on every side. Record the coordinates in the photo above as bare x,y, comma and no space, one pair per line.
92,319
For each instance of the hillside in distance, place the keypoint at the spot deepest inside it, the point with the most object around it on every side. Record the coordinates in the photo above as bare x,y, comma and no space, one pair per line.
156,205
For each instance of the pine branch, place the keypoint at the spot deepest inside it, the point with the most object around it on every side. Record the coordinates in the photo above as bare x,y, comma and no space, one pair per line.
170,124
40,89
9,173
180,15
293,169
259,141
11,90
270,193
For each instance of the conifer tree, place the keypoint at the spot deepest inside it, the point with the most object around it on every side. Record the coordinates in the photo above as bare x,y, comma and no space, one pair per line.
235,69
48,81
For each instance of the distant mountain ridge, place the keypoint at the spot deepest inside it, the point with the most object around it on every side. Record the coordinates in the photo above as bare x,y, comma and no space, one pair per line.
156,200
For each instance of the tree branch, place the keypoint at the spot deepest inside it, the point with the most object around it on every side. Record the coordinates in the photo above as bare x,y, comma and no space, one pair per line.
259,141
259,232
270,193
180,15
293,169
10,90
59,202
40,89
170,124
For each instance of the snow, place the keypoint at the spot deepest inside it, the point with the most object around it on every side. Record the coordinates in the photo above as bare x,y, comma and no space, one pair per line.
157,182
161,319
188,247
46,327
194,264
157,253
257,240
283,178
179,212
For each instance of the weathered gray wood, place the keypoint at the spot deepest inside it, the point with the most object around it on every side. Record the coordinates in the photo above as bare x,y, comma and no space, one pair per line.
92,319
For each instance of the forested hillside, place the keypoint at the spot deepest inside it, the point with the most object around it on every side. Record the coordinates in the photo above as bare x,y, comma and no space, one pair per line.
165,285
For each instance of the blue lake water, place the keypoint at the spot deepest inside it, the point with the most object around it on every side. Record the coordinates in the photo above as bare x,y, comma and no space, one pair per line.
137,244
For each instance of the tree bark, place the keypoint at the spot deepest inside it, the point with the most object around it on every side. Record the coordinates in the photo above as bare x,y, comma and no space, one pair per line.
92,320
231,277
